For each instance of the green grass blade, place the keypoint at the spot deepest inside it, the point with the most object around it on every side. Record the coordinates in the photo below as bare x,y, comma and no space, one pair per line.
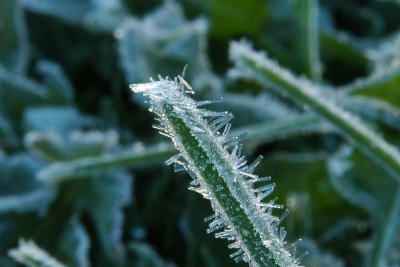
130,158
307,18
305,92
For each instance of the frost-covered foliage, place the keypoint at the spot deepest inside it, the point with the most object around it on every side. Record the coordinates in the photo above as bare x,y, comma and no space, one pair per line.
212,156
29,254
314,84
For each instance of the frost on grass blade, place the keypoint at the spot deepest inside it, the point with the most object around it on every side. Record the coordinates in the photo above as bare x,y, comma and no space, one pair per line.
30,254
240,199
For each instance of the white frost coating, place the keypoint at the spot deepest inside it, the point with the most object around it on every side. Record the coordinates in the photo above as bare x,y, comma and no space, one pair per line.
30,254
224,153
378,78
266,70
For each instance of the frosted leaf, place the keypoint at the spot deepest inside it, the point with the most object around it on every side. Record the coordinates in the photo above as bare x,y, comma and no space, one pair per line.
22,83
14,47
48,146
56,80
91,143
98,15
37,200
179,42
104,198
73,247
30,254
219,175
147,256
20,190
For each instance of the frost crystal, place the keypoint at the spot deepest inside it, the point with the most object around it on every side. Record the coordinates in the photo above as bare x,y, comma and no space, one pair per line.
240,199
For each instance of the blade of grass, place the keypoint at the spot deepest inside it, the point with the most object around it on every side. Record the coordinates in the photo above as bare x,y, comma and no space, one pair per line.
305,92
131,158
307,18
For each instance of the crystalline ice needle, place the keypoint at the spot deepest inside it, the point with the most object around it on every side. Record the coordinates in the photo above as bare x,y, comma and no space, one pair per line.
218,174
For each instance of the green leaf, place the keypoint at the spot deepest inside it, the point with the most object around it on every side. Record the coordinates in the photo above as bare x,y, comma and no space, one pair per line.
381,84
29,254
357,182
73,245
14,47
62,120
308,36
59,87
104,197
319,99
94,15
91,143
145,256
20,191
48,146
8,137
163,42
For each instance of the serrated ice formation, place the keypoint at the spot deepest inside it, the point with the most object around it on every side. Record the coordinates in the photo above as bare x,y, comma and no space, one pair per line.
240,199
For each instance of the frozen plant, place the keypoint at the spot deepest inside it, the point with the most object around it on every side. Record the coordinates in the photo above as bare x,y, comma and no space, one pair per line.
240,199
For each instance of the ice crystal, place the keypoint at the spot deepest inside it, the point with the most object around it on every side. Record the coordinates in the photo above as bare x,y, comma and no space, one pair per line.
240,199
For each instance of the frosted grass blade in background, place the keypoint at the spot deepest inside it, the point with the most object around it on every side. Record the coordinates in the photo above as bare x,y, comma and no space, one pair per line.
14,45
29,254
139,155
307,19
305,92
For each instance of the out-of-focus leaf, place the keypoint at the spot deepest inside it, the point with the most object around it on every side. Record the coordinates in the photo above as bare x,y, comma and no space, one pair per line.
14,47
104,197
355,179
20,191
8,137
144,255
70,11
382,84
36,200
91,143
231,17
29,254
48,146
249,109
98,15
73,245
163,42
62,120
59,86
312,179
20,82
308,36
